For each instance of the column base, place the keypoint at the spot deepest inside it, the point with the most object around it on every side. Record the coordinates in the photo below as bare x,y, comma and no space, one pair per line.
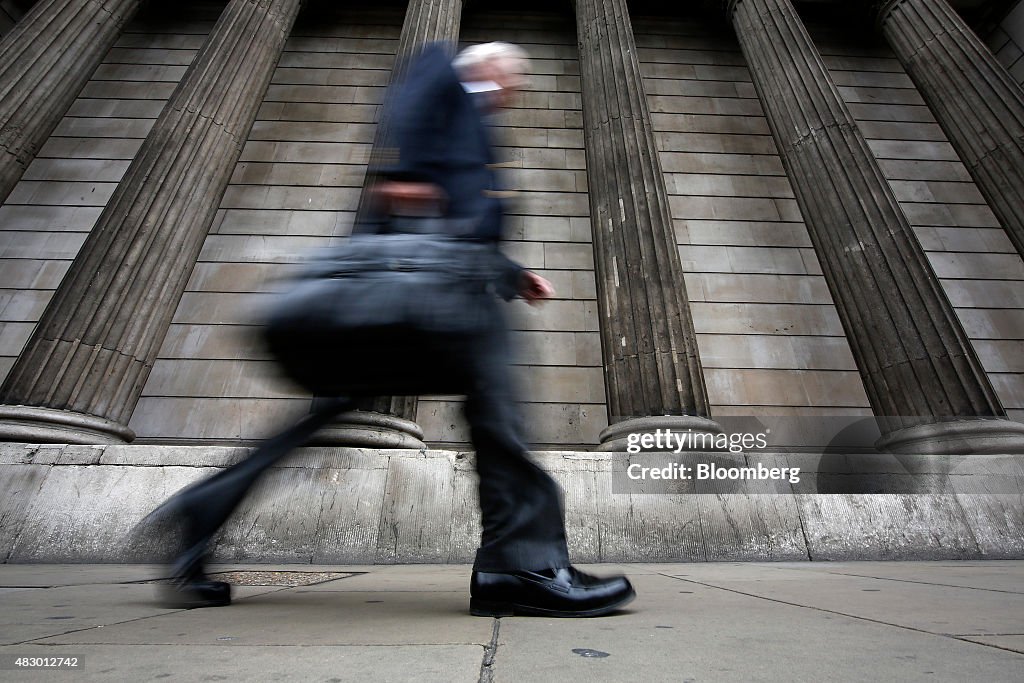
33,424
616,437
368,429
958,437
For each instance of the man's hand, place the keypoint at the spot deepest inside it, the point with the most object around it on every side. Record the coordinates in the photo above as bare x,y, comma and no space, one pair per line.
409,199
534,288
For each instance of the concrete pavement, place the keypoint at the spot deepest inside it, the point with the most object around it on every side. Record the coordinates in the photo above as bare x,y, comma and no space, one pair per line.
906,621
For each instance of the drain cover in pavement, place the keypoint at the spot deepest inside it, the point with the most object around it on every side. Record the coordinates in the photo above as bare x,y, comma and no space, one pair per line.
274,578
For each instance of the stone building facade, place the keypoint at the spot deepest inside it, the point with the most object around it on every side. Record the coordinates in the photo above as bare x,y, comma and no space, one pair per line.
748,208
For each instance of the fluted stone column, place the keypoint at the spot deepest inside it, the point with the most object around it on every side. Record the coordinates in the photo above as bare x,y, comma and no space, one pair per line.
82,372
975,100
653,374
390,421
44,62
920,372
427,21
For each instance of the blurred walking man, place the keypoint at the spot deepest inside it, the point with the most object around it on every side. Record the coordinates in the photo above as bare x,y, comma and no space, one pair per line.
440,162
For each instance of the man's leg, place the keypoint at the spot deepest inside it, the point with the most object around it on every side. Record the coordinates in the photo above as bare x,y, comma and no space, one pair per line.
522,566
520,504
202,509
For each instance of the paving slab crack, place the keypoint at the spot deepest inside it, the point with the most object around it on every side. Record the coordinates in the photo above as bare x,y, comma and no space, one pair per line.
165,612
927,583
490,651
842,614
992,645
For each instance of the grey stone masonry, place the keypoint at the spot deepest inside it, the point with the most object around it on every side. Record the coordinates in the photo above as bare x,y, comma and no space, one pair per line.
82,372
974,98
651,364
918,367
44,61
64,503
393,417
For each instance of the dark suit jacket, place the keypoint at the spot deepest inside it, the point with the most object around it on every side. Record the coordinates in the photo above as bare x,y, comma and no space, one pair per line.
436,134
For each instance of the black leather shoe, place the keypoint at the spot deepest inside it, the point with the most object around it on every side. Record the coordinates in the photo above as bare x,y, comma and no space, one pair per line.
189,586
562,592
194,593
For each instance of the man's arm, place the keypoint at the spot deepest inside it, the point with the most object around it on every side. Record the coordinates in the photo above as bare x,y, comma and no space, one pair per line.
416,118
414,123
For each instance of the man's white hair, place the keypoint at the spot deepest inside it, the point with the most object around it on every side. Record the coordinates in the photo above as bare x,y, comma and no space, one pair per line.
474,55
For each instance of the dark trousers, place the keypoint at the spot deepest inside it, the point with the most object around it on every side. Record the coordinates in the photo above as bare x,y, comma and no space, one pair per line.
520,504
